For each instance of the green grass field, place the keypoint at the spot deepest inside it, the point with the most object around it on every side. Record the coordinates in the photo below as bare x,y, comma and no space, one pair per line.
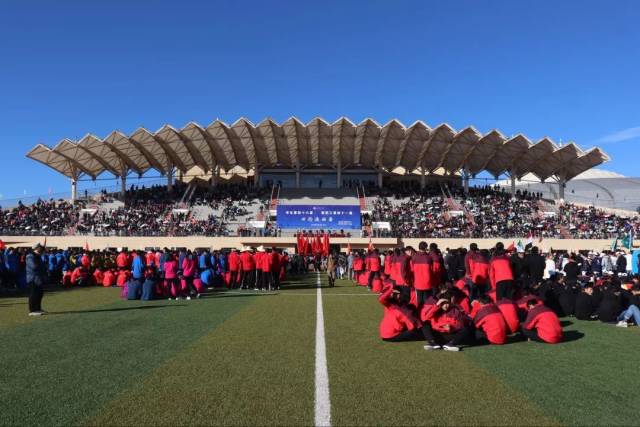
246,359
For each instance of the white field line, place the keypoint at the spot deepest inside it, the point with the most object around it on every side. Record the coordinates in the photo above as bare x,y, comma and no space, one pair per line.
322,401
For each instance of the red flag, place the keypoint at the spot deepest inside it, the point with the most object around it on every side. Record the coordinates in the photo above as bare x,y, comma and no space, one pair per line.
299,241
2,245
370,248
512,247
86,245
318,247
348,248
325,244
309,246
45,241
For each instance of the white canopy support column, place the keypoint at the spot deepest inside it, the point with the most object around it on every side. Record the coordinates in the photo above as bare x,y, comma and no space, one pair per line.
513,185
170,179
339,176
297,176
74,189
215,175
423,179
123,186
379,178
562,183
465,182
256,176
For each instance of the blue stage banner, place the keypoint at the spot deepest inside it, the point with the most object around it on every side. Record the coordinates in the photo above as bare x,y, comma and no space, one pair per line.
307,217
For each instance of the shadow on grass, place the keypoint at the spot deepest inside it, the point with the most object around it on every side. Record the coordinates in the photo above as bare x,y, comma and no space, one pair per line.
565,323
236,295
106,310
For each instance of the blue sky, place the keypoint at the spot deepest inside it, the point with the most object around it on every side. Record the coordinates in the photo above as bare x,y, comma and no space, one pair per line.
569,70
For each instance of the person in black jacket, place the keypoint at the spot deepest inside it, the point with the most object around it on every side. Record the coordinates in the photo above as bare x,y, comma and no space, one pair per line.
610,305
571,270
585,304
36,279
535,264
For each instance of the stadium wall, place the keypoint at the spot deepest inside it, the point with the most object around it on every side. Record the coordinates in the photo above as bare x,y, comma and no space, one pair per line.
288,243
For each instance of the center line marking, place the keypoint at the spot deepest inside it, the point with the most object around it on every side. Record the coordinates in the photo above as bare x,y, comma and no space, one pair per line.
323,404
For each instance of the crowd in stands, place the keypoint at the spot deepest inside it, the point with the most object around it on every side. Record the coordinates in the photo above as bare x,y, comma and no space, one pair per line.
437,211
447,211
149,211
461,298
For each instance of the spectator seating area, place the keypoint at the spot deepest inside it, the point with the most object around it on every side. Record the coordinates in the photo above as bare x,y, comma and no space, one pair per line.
437,211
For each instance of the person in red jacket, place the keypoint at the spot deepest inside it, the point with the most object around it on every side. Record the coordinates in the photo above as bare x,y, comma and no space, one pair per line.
234,268
358,266
399,323
247,269
122,260
446,326
500,273
437,265
266,260
388,263
542,324
480,273
275,268
108,279
510,313
488,320
80,276
373,266
421,267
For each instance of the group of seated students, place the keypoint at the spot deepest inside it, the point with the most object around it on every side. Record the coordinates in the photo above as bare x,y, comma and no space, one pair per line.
489,302
176,274
486,305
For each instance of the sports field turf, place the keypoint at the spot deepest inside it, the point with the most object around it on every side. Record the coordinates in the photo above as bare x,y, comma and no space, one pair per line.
246,359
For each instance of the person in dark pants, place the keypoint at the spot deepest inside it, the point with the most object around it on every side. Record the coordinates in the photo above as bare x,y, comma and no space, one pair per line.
36,279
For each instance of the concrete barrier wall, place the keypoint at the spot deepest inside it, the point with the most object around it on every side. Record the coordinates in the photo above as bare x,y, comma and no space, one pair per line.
282,242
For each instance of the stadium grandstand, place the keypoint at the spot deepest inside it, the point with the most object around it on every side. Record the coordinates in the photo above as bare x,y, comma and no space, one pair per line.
358,181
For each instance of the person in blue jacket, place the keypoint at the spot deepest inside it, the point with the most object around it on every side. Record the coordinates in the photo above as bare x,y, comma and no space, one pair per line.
204,261
11,260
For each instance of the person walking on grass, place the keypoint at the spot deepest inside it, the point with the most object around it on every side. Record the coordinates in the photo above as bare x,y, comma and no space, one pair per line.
332,265
36,279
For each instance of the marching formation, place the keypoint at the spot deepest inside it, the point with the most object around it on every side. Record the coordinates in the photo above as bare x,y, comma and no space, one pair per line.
477,296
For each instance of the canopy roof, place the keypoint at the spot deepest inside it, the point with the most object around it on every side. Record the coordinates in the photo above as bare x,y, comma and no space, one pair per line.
294,144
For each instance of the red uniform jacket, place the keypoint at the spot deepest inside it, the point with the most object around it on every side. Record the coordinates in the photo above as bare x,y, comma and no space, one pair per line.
401,269
266,261
122,260
234,261
79,273
122,278
480,271
85,261
499,269
388,265
436,269
421,267
510,313
98,277
150,258
545,321
372,262
469,259
109,279
247,261
489,318
439,319
358,263
396,319
275,262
